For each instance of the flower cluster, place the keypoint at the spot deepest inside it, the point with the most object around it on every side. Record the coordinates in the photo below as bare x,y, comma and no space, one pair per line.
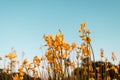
56,64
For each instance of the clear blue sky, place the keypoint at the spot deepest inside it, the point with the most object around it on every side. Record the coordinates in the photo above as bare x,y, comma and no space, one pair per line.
23,23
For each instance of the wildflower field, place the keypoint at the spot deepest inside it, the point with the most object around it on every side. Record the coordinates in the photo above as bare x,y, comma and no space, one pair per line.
56,63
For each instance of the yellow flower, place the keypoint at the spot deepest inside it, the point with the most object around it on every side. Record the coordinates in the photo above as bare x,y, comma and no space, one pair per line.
81,30
83,37
16,77
37,60
115,69
64,55
88,40
87,53
62,72
68,63
59,37
87,31
58,67
83,47
107,69
21,68
83,25
98,69
21,78
66,46
25,62
50,60
91,79
22,73
51,36
55,44
11,55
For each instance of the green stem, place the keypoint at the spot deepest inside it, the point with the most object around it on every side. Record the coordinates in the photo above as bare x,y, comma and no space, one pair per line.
94,62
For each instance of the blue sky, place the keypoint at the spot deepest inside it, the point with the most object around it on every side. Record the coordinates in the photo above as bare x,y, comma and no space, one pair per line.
24,22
